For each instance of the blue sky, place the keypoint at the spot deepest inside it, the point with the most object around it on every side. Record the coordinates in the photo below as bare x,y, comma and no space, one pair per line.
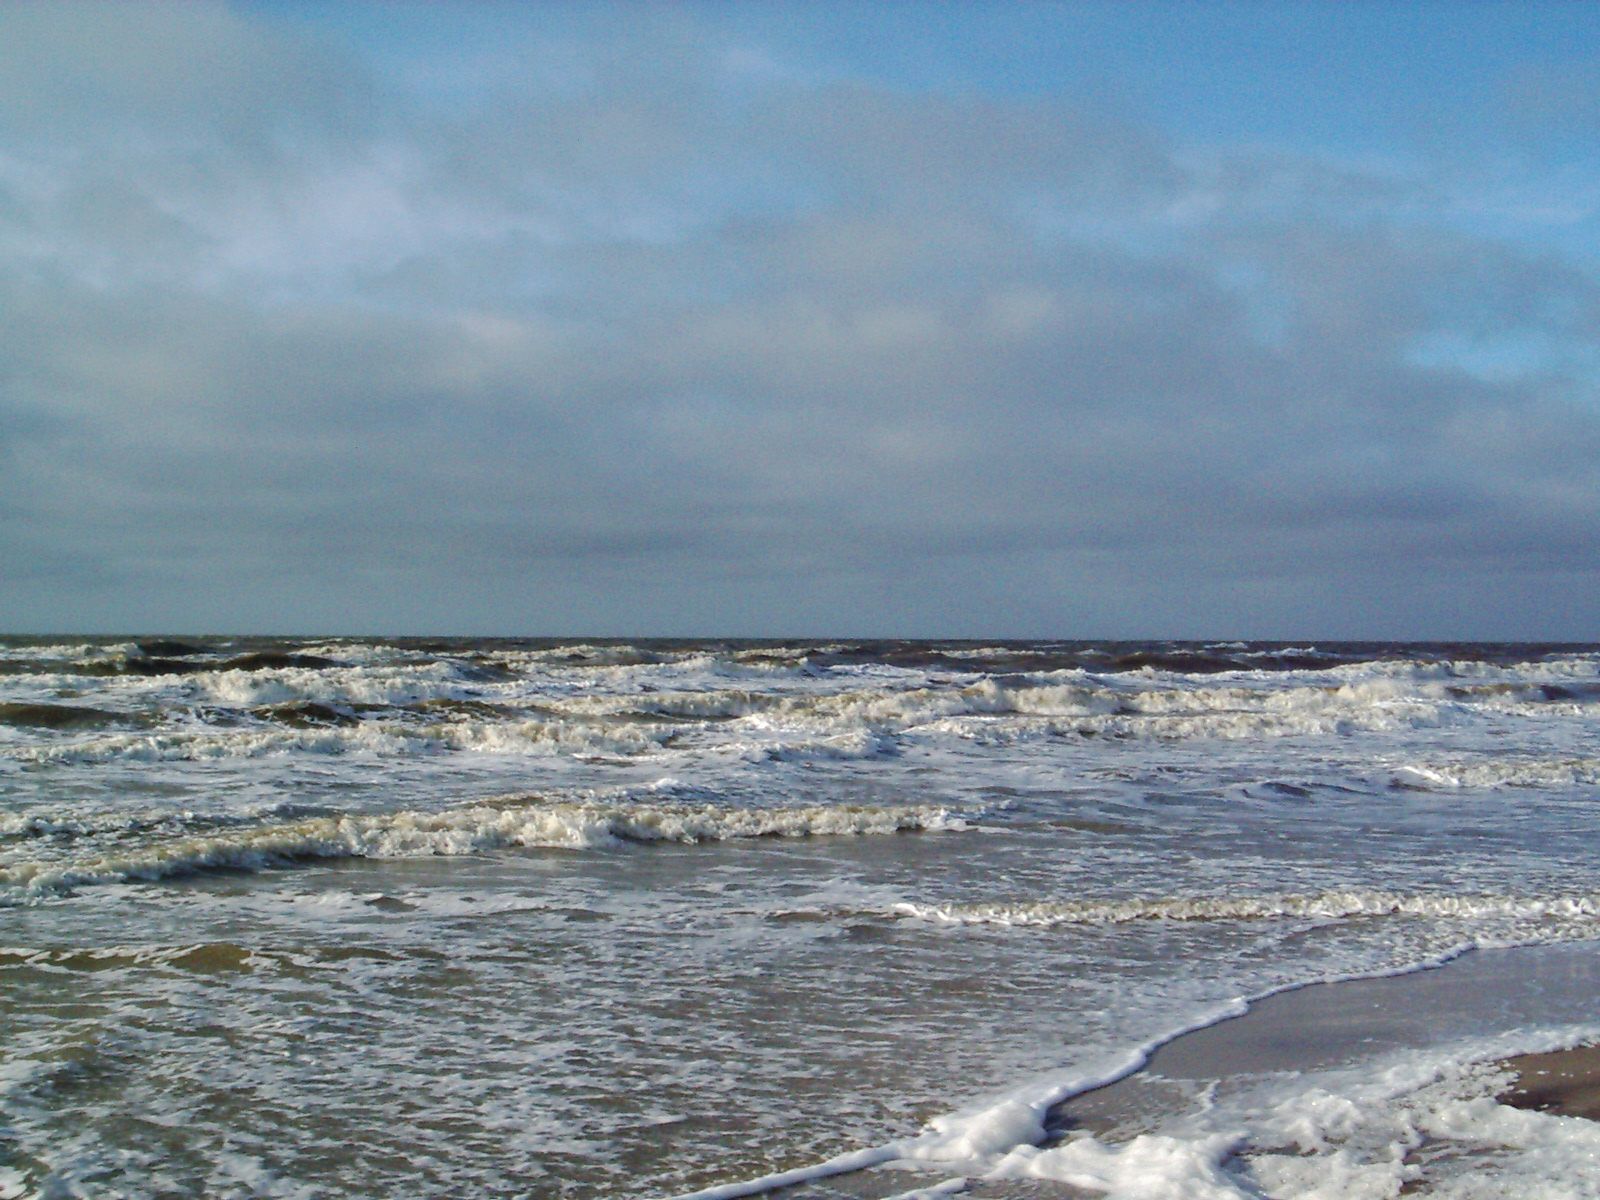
984,320
1359,77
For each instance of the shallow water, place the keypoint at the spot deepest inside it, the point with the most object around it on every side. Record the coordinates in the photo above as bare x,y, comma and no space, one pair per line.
365,918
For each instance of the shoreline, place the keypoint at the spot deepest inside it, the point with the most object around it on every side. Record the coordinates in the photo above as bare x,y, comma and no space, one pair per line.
1514,1010
1480,993
1522,1021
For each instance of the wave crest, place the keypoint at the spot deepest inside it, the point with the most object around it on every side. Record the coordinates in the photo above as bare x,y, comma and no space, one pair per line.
491,825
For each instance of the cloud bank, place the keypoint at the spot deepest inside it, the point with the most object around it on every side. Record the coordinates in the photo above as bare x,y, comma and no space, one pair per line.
642,332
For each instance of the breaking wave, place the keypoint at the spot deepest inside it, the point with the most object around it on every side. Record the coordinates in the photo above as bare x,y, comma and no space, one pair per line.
1075,703
388,738
474,829
63,828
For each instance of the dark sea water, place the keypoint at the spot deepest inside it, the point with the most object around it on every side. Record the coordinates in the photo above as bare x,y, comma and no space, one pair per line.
452,917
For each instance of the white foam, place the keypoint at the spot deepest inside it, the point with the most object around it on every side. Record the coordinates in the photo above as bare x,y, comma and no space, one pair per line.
1150,1167
1349,1134
1500,771
529,737
74,651
857,744
1555,669
1321,905
1161,707
977,1137
388,684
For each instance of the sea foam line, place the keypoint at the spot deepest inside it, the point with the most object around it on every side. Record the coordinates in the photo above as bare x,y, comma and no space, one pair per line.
1321,905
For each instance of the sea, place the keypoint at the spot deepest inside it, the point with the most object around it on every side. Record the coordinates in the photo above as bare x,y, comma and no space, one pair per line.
469,917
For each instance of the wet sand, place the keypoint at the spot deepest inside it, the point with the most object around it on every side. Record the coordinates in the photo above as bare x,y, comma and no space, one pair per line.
1566,1082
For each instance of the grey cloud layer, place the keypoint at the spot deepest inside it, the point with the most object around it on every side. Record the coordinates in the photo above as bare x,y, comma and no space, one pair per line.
667,346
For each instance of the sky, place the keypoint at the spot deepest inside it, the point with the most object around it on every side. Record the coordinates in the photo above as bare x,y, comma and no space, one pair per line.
1076,320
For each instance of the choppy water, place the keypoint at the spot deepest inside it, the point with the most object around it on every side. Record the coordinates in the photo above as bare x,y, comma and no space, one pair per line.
379,918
